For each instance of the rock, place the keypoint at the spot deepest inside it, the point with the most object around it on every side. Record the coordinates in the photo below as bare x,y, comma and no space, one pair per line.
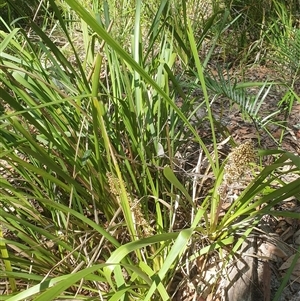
243,283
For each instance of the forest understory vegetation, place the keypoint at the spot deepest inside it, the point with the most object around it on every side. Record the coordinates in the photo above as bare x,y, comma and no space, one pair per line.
144,146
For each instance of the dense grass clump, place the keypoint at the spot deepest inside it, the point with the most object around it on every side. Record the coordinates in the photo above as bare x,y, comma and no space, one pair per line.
108,191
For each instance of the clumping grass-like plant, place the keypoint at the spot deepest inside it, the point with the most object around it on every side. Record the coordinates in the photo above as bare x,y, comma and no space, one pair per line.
284,38
92,204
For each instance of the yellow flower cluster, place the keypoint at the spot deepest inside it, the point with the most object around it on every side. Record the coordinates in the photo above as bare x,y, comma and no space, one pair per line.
113,183
135,206
238,160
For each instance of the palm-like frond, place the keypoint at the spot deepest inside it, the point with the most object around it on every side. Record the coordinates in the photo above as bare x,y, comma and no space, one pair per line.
250,105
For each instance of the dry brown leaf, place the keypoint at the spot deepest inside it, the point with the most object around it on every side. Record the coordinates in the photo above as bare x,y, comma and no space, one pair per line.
295,276
288,263
270,251
288,233
297,238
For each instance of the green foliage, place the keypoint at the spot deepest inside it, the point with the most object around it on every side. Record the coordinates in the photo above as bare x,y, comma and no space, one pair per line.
91,194
253,20
284,38
17,13
250,104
